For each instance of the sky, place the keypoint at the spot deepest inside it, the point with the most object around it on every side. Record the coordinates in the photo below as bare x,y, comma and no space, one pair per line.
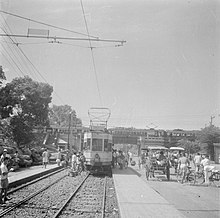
165,76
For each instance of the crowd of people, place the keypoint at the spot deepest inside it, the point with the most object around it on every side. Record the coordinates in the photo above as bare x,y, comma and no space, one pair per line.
75,161
181,161
197,161
121,159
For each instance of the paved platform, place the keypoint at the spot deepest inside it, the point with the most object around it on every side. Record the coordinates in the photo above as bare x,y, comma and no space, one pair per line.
27,174
138,200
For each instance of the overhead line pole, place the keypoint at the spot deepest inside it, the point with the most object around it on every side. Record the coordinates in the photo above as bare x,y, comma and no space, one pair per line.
212,117
64,38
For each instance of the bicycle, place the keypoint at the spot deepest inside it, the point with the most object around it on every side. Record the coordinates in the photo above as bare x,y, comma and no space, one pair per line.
189,177
214,177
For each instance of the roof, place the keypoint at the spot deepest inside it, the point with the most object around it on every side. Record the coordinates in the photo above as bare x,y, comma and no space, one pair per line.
177,149
157,148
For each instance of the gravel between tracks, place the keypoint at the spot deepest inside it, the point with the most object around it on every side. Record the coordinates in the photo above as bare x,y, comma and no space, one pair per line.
47,203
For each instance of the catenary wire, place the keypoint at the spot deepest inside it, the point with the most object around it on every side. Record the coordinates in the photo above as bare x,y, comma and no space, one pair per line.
93,59
13,61
32,66
16,61
14,42
10,64
45,24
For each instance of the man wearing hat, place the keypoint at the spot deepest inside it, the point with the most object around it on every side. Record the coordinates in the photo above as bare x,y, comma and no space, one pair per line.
4,155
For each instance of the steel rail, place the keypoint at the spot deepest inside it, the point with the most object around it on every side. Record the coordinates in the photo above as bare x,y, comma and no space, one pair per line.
70,197
4,212
34,181
104,199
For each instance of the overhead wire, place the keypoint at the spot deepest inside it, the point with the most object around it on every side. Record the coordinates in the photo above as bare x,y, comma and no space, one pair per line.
13,61
39,73
20,58
49,25
45,24
29,61
91,49
17,63
32,43
10,64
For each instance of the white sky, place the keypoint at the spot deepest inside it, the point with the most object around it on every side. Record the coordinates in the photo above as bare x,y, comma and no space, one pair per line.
166,74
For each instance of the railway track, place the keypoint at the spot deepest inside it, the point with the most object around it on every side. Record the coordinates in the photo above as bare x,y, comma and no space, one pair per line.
14,189
28,192
81,196
87,200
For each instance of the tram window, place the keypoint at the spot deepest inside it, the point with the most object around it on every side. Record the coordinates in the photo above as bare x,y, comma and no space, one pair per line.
107,146
97,144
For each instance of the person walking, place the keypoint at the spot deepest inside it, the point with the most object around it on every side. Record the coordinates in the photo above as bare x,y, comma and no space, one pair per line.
197,161
207,167
148,168
126,160
74,160
130,156
67,158
78,164
82,161
183,164
59,156
45,156
114,158
139,162
4,180
120,160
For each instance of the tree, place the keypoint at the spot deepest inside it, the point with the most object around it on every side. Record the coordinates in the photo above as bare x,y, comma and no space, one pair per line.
2,75
62,115
26,103
210,135
189,146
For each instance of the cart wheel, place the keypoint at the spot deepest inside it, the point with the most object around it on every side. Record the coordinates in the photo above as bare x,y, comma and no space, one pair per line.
191,178
199,178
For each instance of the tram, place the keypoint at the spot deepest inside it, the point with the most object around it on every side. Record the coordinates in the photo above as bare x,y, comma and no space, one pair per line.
97,147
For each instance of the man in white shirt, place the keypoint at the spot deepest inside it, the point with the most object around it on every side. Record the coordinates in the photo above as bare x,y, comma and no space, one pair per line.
207,167
74,159
59,156
45,156
4,180
197,161
130,156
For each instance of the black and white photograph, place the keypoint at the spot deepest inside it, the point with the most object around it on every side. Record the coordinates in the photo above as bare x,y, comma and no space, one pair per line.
109,108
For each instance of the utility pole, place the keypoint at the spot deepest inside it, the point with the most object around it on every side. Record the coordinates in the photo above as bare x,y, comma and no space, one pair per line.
68,143
212,117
